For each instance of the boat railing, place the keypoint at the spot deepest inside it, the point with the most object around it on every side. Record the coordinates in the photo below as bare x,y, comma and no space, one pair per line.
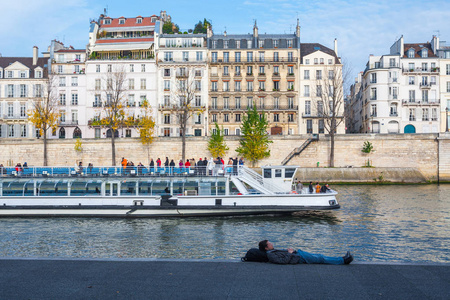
110,171
257,179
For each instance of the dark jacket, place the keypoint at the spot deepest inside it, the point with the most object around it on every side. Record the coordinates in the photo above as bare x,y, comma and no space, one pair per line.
282,257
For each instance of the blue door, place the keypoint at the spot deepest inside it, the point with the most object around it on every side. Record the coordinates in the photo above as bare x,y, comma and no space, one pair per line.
410,129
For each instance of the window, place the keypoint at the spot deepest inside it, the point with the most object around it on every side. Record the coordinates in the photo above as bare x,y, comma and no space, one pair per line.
261,43
10,91
38,90
74,99
198,73
10,130
411,53
249,102
249,44
307,108
23,110
412,96
226,86
321,126
276,117
214,86
138,20
38,74
424,53
276,57
276,103
167,85
225,44
131,84
261,70
166,118
319,91
10,110
373,94
97,101
373,112
425,96
198,85
306,91
199,56
391,62
62,99
237,86
166,72
74,81
250,58
97,84
318,74
394,93
198,101
321,61
447,69
411,66
10,74
393,111
306,61
237,70
214,117
425,114
411,80
23,90
74,117
60,69
275,43
331,74
319,108
166,100
226,57
276,85
249,70
290,117
448,86
109,68
434,114
309,126
330,61
412,114
373,78
316,61
237,117
226,118
77,69
276,70
424,67
262,85
249,86
291,70
290,102
289,43
143,84
131,68
226,131
261,56
168,56
142,68
226,71
306,74
237,102
121,21
238,44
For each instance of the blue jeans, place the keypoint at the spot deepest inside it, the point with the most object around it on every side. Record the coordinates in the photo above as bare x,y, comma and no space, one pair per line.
311,258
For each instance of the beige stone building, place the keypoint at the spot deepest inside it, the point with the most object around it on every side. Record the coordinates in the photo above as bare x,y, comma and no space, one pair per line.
247,70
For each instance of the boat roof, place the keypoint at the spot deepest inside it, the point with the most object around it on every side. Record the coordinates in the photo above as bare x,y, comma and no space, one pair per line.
279,167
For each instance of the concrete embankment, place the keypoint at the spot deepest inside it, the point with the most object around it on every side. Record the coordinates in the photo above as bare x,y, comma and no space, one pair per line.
361,175
165,279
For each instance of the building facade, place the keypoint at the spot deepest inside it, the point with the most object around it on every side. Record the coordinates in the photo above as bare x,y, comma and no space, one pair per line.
22,81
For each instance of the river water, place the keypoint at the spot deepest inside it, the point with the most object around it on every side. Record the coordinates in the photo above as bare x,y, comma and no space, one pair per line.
376,223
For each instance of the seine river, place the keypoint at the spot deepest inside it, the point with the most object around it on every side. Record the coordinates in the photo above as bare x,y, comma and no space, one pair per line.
377,223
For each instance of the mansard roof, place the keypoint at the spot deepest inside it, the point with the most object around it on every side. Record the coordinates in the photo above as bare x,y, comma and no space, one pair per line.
129,22
418,49
308,48
26,61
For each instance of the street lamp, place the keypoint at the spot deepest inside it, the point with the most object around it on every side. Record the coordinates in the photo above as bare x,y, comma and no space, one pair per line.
446,119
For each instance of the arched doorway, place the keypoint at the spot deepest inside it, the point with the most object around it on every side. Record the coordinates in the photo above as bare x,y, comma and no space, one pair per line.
77,133
393,127
62,133
410,129
109,135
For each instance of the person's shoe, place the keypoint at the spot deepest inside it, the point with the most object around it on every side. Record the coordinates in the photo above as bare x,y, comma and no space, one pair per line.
348,258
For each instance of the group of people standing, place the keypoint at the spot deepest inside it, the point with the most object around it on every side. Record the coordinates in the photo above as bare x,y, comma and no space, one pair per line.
311,188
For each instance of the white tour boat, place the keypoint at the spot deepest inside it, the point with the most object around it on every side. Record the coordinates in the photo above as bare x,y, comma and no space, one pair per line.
154,192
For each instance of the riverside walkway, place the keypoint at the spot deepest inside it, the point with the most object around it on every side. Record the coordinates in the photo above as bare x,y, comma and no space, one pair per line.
217,279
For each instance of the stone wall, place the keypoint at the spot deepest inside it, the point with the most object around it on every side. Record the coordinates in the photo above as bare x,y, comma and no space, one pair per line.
420,151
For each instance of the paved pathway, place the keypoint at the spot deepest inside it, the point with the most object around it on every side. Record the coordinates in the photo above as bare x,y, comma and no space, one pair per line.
217,279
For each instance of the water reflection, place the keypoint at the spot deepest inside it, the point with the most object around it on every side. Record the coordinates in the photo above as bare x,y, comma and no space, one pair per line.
377,223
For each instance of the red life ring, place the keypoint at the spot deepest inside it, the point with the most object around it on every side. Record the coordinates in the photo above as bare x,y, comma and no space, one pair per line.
294,192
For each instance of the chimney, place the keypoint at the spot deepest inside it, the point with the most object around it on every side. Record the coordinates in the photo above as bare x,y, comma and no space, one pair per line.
209,32
35,55
335,47
225,33
297,29
255,30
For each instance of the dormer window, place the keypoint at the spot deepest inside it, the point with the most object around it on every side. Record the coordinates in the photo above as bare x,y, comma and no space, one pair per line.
23,74
153,19
38,74
411,53
424,53
121,21
107,21
139,20
10,74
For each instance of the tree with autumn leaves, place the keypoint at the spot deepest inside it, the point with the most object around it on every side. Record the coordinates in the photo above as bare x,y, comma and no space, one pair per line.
254,142
45,113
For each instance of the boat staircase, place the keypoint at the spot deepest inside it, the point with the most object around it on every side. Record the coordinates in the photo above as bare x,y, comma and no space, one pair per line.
256,182
299,150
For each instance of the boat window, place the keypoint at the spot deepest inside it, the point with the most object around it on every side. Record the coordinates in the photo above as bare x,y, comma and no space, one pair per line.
52,189
205,188
191,188
145,188
233,189
178,187
28,189
158,187
267,173
94,188
289,173
277,172
221,188
128,188
13,188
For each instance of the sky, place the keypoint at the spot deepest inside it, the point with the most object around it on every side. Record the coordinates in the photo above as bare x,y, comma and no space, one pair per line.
361,27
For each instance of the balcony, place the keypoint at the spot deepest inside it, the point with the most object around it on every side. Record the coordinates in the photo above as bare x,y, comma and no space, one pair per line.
255,61
266,107
421,70
96,104
425,85
409,102
68,123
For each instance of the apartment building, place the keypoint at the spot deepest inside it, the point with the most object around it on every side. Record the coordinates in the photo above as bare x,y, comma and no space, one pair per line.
121,45
443,52
400,91
68,74
182,75
22,80
247,70
320,82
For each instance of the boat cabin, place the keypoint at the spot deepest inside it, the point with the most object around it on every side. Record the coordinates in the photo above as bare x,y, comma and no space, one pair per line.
280,176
